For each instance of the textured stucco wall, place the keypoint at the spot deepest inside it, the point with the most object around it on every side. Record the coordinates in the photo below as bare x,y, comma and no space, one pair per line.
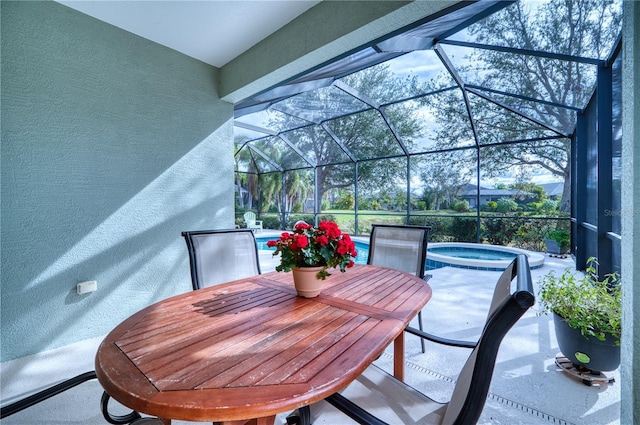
111,145
630,350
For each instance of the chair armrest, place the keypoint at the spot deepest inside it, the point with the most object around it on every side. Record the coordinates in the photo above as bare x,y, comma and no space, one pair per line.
45,394
440,340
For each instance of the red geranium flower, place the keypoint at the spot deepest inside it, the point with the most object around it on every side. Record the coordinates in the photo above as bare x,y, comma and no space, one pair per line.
309,246
350,245
330,228
299,242
343,247
322,240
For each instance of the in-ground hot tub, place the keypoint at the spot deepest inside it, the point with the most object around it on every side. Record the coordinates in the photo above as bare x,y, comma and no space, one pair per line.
476,256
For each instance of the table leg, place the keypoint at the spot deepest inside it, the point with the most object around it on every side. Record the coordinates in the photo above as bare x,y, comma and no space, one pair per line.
398,357
267,420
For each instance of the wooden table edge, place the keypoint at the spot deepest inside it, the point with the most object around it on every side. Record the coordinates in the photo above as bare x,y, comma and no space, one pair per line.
153,405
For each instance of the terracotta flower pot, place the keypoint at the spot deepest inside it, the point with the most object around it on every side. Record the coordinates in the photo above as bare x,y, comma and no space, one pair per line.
306,281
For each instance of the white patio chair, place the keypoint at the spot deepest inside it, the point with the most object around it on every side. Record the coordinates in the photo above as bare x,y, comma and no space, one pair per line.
251,222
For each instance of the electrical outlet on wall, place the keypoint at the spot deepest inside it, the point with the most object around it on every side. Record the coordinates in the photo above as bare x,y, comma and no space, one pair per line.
86,287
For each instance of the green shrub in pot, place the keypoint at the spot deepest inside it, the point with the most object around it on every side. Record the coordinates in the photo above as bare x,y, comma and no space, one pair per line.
589,305
562,240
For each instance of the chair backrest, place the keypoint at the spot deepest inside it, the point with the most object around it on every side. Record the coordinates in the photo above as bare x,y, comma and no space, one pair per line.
218,256
399,247
472,387
250,217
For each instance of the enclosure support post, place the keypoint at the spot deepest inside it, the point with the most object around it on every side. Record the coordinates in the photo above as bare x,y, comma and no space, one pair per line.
283,215
316,208
573,211
408,189
605,176
356,196
259,193
579,185
478,239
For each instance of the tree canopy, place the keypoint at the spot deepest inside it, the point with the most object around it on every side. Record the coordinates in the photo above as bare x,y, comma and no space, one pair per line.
359,137
580,28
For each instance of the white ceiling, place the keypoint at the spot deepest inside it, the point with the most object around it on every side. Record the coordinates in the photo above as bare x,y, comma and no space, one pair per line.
213,31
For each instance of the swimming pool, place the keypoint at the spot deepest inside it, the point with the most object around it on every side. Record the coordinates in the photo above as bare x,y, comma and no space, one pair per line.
473,253
361,247
452,254
477,256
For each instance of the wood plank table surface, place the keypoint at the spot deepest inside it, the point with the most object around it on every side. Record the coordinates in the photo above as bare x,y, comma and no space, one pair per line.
249,349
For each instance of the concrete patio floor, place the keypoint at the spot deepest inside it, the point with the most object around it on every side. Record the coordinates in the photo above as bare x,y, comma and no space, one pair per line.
527,387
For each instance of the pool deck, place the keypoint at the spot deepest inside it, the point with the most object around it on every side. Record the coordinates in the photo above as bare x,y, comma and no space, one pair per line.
527,387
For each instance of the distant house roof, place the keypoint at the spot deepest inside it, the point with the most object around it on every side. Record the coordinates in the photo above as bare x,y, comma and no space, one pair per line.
553,189
470,190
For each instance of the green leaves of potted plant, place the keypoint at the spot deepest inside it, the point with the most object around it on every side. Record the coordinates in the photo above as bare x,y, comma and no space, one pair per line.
558,242
587,315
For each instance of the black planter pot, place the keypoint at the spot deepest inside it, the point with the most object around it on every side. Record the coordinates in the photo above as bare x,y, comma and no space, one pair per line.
591,353
553,247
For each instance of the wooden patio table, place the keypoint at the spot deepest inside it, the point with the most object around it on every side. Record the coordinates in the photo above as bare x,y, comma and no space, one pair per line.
249,349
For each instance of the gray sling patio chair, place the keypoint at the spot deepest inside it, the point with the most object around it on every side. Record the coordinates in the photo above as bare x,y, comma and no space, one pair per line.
215,256
132,418
379,395
400,247
219,256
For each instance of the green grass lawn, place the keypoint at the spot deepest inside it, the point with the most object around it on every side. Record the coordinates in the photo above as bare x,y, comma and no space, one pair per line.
523,230
346,218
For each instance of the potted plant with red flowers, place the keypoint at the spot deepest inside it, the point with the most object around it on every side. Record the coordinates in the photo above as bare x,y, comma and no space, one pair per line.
310,251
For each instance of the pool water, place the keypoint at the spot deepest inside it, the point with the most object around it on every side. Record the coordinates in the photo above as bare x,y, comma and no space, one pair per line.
473,253
467,256
474,256
361,247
